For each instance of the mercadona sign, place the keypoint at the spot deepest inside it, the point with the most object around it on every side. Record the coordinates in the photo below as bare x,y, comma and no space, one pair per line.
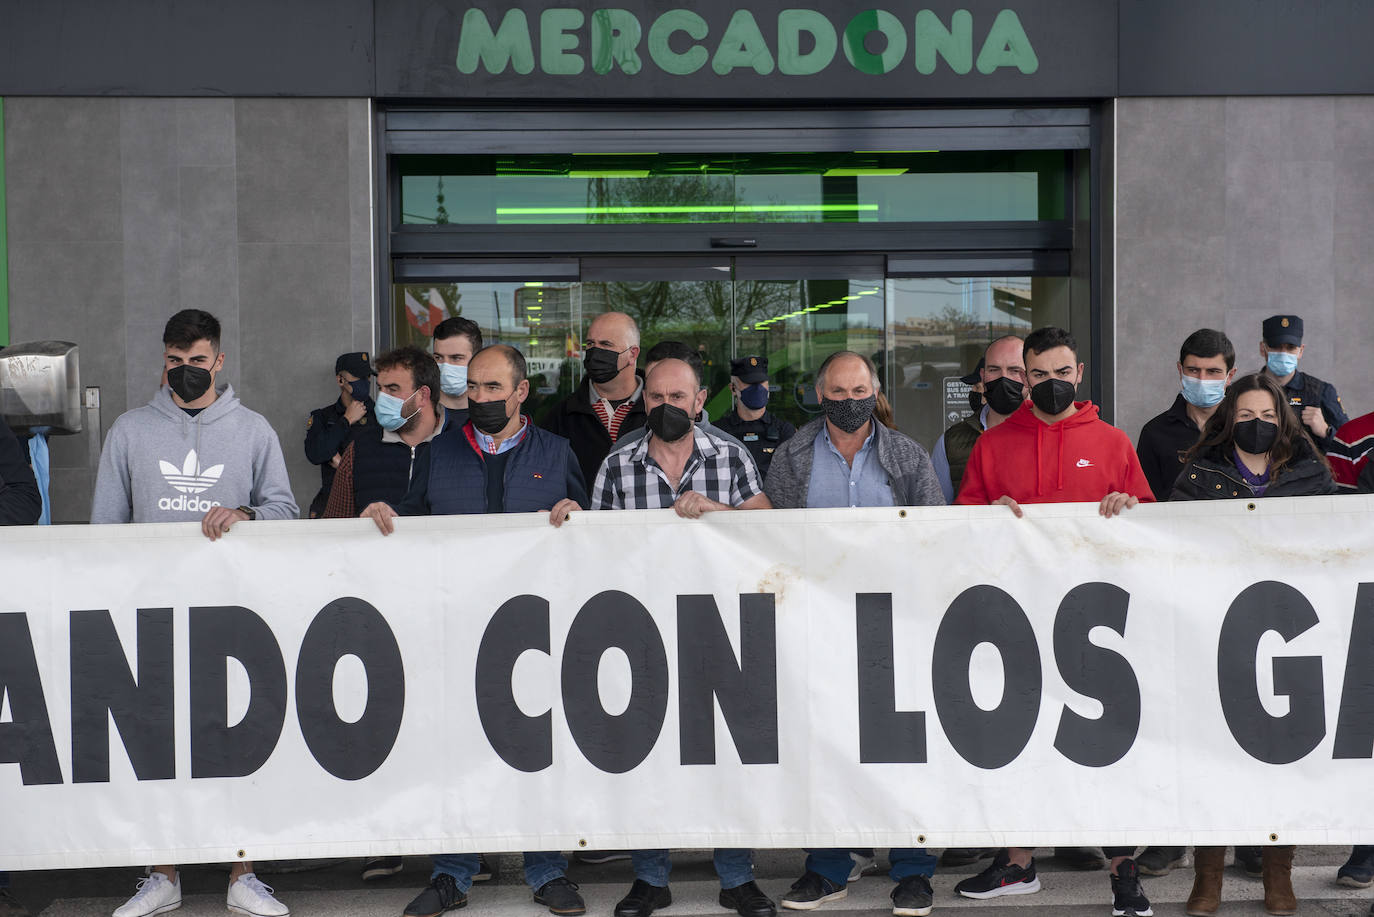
681,42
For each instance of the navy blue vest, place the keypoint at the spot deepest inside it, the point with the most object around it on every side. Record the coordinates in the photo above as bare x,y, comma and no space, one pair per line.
536,473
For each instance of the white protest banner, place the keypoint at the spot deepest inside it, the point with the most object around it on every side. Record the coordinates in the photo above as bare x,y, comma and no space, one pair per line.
1184,673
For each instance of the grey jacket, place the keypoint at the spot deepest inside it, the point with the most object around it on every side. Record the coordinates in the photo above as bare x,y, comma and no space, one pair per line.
909,469
160,464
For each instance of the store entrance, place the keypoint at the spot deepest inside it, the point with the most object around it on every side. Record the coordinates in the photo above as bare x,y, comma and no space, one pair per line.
923,333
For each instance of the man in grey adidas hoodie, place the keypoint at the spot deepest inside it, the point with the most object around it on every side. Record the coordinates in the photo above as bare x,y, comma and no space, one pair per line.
193,453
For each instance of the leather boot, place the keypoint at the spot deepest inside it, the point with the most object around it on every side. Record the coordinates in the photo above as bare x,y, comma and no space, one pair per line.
1208,865
1278,880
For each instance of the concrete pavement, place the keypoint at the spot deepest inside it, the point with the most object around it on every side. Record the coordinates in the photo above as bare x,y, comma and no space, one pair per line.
335,890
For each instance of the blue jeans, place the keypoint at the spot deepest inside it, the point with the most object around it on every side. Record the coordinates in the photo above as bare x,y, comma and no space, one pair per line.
734,865
4,880
540,868
836,864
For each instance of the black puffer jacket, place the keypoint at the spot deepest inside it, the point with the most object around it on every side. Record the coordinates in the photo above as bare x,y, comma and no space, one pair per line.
1213,476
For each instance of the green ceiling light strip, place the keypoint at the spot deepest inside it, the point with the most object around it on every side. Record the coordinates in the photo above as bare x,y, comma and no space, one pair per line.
609,173
860,172
700,208
4,242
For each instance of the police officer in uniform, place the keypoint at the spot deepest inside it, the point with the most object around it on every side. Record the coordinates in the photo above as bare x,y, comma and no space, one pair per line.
750,422
1315,402
331,428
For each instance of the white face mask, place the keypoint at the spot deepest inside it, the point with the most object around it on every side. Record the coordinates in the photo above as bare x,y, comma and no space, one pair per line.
1203,393
388,409
453,380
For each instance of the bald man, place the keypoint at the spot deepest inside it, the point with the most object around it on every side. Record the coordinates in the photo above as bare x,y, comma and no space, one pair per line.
693,470
1003,375
610,401
497,462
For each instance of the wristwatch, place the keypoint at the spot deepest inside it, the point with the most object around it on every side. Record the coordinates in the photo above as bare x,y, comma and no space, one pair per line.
249,512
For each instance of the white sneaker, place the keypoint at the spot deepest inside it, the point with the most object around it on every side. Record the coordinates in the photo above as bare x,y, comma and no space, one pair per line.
249,896
155,895
863,866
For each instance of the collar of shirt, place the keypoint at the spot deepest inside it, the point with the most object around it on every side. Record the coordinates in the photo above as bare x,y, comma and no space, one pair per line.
703,450
610,405
868,443
488,443
394,436
982,419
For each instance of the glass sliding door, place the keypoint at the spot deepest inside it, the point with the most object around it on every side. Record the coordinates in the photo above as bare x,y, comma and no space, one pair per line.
937,331
922,333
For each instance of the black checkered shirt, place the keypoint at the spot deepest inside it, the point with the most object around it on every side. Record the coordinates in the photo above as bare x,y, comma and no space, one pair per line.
718,469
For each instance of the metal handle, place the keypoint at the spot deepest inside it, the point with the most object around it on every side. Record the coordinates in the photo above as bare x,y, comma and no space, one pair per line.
726,242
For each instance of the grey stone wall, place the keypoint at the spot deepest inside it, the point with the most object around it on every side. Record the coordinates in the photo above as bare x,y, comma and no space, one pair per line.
1233,209
123,211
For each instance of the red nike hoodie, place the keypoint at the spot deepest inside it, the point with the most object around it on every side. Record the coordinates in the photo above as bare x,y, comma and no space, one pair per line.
1080,459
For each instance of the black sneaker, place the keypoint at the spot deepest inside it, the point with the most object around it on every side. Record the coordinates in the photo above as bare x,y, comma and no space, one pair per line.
811,891
748,900
381,867
484,870
912,897
1080,858
1160,861
643,899
1358,871
1249,861
560,897
1001,878
442,895
963,856
1128,898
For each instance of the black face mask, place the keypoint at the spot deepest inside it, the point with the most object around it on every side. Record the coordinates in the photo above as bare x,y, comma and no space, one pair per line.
975,400
1004,394
189,382
488,416
669,422
849,414
602,365
1053,396
1255,436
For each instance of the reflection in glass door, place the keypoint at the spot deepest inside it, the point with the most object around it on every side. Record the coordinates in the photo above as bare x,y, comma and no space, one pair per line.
922,333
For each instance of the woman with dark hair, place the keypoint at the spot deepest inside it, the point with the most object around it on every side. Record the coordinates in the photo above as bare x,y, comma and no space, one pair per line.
1252,446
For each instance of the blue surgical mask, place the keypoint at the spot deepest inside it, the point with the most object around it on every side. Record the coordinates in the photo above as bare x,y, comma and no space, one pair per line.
1203,393
1282,364
360,389
754,397
453,379
388,411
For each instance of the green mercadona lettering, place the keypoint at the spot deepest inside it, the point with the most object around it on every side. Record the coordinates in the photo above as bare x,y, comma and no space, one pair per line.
682,42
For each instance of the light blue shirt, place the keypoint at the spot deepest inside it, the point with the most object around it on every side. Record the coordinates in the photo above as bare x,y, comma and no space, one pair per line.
940,459
834,482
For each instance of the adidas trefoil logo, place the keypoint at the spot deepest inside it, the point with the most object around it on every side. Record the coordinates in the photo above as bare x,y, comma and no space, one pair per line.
190,478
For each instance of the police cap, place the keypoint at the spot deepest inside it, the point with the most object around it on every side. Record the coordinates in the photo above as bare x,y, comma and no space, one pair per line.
1282,329
355,363
750,369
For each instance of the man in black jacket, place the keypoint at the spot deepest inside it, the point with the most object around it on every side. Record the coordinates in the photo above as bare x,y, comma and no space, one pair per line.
1206,366
610,400
331,428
